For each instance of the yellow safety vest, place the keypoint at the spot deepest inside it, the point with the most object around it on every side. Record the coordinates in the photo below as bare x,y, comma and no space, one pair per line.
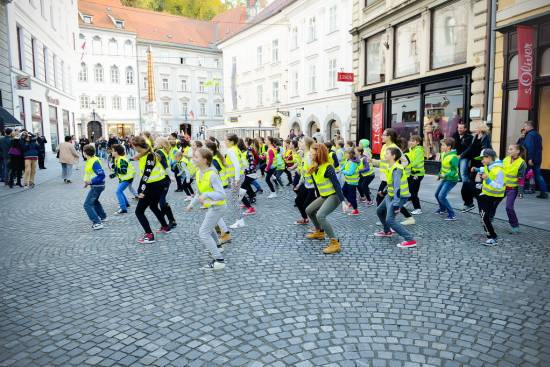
511,169
189,164
130,171
446,163
492,174
370,172
172,154
229,168
89,173
158,173
403,186
416,165
352,179
324,185
244,160
203,184
383,163
222,172
305,169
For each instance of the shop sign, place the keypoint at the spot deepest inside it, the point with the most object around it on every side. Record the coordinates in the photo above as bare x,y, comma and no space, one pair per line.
525,67
345,77
377,127
23,82
234,119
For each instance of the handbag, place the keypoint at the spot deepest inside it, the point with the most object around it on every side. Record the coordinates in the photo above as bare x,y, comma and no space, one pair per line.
15,151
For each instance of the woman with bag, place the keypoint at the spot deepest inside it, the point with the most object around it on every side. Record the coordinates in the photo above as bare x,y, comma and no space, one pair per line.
68,156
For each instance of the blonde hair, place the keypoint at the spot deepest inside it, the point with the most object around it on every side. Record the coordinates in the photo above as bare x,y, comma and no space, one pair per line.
162,143
481,127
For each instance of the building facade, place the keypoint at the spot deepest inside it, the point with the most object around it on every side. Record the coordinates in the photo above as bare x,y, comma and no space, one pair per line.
282,69
420,68
6,99
507,120
43,36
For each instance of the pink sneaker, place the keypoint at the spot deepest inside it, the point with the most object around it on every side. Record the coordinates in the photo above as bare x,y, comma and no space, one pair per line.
383,234
354,212
407,244
164,229
250,211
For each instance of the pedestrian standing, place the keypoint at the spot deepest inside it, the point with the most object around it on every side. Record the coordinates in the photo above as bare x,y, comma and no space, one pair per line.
533,146
41,140
15,153
30,155
94,177
463,140
514,167
5,144
448,177
68,157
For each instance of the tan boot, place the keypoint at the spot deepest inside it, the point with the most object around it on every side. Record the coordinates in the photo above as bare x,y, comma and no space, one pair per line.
333,247
317,235
225,238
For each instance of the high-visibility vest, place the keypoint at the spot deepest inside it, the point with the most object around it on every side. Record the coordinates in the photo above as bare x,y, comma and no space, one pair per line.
186,151
222,172
189,164
511,169
492,174
416,165
204,186
383,163
446,164
332,161
370,172
403,186
229,168
280,162
324,185
89,172
130,171
172,155
244,160
296,160
289,156
158,173
352,179
166,158
305,169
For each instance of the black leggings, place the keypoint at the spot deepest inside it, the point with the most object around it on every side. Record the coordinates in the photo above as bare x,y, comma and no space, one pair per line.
304,197
414,187
381,194
151,201
247,185
187,187
363,187
164,206
268,176
288,176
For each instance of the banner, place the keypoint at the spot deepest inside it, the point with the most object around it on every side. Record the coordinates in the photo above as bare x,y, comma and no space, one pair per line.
345,77
525,67
377,127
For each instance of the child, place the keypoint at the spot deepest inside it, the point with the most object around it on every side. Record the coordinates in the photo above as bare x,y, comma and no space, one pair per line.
398,194
365,144
350,172
279,163
162,149
94,176
514,172
492,191
449,178
212,197
185,172
366,175
173,163
416,159
288,158
125,172
270,167
305,189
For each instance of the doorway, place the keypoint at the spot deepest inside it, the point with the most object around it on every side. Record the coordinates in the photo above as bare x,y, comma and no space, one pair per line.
95,130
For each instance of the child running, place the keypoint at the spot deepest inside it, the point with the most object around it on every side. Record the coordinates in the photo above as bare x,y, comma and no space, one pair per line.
415,156
449,178
212,197
330,196
514,172
351,180
366,175
94,176
185,171
163,150
398,194
125,172
305,189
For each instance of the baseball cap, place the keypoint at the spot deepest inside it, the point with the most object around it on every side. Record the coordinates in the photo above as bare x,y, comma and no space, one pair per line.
365,143
487,153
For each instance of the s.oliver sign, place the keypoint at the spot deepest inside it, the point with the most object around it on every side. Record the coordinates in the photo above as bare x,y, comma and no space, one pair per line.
525,67
377,127
345,77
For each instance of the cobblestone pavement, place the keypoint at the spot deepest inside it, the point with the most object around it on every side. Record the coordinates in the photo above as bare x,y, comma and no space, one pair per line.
70,296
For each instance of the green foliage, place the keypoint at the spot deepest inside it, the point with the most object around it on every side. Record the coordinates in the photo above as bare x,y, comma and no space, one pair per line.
196,9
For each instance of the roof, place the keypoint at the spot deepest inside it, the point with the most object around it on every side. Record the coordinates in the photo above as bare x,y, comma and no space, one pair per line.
162,27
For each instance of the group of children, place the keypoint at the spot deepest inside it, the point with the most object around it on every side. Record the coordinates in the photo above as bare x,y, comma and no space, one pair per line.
323,177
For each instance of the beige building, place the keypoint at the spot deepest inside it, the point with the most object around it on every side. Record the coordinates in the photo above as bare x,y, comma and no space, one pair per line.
419,68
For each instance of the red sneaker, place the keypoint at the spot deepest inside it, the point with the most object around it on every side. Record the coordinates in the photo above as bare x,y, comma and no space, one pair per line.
383,234
302,222
163,229
407,244
354,212
250,211
147,238
242,206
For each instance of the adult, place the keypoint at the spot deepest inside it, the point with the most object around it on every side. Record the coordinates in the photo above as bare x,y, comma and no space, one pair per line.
83,142
5,143
112,141
481,140
15,153
533,147
318,137
41,141
68,156
30,156
463,140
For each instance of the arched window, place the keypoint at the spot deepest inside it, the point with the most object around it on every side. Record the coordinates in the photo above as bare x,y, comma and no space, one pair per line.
98,73
96,45
83,73
115,75
129,75
128,50
113,47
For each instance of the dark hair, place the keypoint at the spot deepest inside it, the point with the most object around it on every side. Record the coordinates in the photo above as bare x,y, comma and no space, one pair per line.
198,143
294,144
530,123
119,149
392,134
395,152
211,145
174,135
233,138
271,140
328,144
206,154
8,131
360,149
68,138
139,141
318,130
416,138
249,141
351,153
450,142
184,143
402,143
89,150
240,145
213,139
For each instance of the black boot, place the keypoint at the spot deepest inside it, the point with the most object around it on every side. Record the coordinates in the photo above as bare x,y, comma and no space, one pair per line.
19,183
542,195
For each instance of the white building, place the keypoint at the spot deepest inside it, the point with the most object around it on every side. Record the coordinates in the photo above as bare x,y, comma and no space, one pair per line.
43,36
6,101
282,68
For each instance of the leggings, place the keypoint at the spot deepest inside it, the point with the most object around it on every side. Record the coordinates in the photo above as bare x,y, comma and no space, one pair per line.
350,193
382,194
318,211
304,197
207,232
414,187
164,206
487,208
151,201
288,176
247,185
268,179
363,187
278,174
187,188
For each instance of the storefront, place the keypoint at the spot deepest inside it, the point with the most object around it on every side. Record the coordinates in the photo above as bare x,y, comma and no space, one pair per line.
54,138
36,115
431,107
121,130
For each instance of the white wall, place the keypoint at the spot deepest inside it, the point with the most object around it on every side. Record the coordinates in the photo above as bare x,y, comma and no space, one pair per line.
5,76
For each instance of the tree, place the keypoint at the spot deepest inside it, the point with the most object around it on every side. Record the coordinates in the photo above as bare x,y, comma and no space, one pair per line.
196,9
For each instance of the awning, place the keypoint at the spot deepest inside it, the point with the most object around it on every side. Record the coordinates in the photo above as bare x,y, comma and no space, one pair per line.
7,119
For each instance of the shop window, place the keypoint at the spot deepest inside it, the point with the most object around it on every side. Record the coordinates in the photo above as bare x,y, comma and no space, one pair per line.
544,124
36,115
544,65
375,60
515,118
54,138
405,116
407,48
450,35
513,68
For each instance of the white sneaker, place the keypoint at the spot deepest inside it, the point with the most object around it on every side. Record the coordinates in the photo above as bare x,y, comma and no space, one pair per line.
408,221
188,198
272,195
97,226
416,212
238,224
214,265
120,211
105,220
220,248
490,242
378,223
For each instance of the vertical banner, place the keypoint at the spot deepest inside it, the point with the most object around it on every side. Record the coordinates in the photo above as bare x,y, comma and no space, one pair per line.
377,127
525,67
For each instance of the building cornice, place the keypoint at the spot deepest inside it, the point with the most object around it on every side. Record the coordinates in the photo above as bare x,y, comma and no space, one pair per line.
147,42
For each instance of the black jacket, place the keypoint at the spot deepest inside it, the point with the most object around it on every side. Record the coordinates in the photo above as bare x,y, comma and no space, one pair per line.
463,142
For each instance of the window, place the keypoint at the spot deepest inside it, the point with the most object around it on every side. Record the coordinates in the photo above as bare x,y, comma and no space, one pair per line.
87,19
259,56
407,48
52,18
259,95
113,47
144,85
36,115
544,65
66,127
96,45
62,76
296,80
115,75
83,73
84,102
33,53
165,84
21,109
275,92
331,73
515,118
42,11
20,47
182,60
183,85
332,19
312,78
131,103
128,49
55,80
129,75
312,30
45,61
119,24
217,86
275,51
166,107
98,73
53,127
100,102
375,60
184,108
116,103
201,86
218,109
202,109
405,116
449,35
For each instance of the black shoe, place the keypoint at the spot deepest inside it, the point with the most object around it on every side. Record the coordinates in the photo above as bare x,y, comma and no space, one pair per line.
178,190
542,195
468,208
65,180
173,225
69,181
19,184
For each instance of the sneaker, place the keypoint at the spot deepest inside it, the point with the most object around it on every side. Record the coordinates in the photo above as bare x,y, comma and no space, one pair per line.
354,212
302,222
440,212
514,230
250,211
97,226
378,223
120,211
364,200
272,195
370,203
215,265
104,220
416,212
409,221
225,238
450,218
147,238
173,225
407,244
490,242
468,208
188,198
238,224
317,235
383,234
164,229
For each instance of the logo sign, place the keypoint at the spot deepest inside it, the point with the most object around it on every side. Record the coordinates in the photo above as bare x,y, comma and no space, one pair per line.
377,127
234,119
284,113
345,77
23,82
525,67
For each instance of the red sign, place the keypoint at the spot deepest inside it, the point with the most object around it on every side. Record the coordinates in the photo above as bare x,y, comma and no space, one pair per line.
377,127
525,67
345,77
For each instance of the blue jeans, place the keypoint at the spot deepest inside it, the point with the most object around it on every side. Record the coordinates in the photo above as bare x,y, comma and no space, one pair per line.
92,206
5,169
541,184
122,200
386,214
256,184
463,169
441,196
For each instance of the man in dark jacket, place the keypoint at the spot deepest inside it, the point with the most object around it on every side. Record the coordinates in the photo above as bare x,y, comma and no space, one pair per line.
533,146
5,143
41,141
463,139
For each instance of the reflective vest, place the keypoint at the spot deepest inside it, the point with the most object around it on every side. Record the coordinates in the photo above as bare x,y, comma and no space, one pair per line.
186,151
488,190
172,155
404,185
204,186
446,165
296,160
305,169
166,158
289,157
332,161
370,172
340,152
383,163
222,172
263,150
189,164
89,173
130,170
511,170
352,179
158,173
244,160
280,162
324,185
149,142
229,168
417,164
